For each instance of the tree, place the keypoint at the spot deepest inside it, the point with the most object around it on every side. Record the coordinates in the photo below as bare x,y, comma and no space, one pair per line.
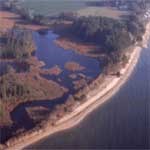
19,44
38,19
112,35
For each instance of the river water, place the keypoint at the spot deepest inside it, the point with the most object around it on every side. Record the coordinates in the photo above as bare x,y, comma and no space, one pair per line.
122,122
52,55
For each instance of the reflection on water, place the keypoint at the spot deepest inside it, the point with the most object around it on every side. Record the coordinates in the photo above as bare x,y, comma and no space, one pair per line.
122,122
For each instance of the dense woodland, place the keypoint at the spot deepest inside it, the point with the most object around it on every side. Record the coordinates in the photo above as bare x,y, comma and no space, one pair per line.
18,44
12,89
112,35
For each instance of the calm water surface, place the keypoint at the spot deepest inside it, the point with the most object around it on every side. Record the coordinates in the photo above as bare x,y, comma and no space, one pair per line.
52,55
122,122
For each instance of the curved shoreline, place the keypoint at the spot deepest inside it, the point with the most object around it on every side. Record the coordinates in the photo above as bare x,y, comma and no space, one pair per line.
92,103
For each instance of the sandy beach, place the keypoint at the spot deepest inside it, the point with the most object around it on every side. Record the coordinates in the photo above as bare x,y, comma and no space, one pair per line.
94,100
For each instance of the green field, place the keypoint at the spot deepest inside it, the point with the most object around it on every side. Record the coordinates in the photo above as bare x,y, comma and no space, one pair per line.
52,7
102,11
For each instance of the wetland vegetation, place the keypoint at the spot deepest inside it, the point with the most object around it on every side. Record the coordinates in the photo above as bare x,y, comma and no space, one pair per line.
47,73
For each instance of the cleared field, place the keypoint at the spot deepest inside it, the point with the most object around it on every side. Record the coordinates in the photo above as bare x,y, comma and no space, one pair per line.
52,7
102,11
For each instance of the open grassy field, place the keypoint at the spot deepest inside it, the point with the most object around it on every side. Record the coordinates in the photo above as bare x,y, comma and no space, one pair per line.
51,7
102,11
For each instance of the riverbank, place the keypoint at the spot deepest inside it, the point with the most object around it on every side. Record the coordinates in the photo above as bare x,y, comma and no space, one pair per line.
108,89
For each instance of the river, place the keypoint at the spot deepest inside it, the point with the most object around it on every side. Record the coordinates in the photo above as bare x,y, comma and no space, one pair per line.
52,55
123,122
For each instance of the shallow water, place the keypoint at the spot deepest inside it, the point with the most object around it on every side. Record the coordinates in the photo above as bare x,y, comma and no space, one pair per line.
122,122
51,54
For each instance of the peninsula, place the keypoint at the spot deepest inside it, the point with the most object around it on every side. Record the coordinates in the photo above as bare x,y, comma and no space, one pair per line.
53,97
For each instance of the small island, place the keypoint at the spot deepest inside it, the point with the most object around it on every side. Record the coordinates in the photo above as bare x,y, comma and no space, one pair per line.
41,94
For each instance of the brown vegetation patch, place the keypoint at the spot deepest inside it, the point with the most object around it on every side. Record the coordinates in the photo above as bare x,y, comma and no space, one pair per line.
38,113
9,19
79,47
40,87
79,84
33,61
73,76
74,66
56,70
33,27
4,115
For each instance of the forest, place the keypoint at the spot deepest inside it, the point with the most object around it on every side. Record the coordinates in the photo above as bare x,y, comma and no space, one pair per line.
12,89
17,43
112,35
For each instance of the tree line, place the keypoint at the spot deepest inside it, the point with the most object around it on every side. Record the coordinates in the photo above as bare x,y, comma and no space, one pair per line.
11,88
113,35
26,14
18,44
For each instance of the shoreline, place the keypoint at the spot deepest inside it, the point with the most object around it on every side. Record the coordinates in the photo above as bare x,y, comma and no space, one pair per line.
94,100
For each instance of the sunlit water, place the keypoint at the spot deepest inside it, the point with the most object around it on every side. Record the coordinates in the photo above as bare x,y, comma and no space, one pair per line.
122,122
